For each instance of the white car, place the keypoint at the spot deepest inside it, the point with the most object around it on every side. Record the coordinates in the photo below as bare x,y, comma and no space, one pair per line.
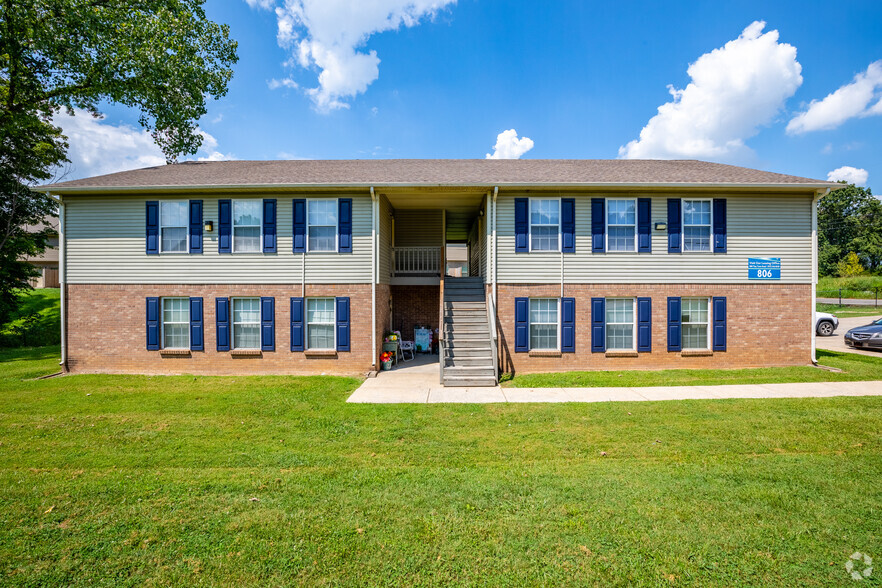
825,324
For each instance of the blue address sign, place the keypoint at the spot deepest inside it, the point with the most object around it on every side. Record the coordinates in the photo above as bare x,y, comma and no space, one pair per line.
763,268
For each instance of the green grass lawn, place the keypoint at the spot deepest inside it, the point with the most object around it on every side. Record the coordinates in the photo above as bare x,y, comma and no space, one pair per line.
272,481
44,328
856,287
853,366
848,311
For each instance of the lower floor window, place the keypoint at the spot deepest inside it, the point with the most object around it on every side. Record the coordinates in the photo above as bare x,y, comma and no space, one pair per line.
175,323
246,323
543,323
620,323
694,320
320,323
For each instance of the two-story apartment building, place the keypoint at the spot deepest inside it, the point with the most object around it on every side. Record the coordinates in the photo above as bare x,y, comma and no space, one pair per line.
301,266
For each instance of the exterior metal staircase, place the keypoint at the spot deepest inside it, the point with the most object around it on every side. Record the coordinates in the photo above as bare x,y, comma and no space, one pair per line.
468,353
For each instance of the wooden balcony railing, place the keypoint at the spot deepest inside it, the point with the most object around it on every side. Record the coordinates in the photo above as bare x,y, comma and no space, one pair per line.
417,261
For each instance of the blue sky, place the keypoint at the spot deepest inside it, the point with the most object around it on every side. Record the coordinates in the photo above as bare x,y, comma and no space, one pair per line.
578,79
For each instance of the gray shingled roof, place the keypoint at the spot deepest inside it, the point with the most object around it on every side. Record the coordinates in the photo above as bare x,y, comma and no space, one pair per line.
436,172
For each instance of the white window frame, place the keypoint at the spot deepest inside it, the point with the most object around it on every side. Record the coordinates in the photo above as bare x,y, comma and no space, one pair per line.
333,324
259,226
336,248
606,224
186,227
162,319
233,323
530,225
606,324
530,322
710,248
710,321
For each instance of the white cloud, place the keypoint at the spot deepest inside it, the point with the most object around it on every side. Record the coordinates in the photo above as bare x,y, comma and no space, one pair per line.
508,146
275,84
734,90
850,101
851,175
330,35
99,148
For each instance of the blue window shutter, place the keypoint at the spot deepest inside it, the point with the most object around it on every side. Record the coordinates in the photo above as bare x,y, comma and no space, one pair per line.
719,225
342,309
522,225
674,225
197,332
568,224
568,325
267,323
297,330
222,316
152,323
224,226
344,220
598,225
598,325
269,225
644,225
152,227
522,325
195,226
674,326
719,323
299,225
644,324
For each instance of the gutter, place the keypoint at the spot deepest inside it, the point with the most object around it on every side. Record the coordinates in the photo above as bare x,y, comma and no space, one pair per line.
814,331
493,241
62,279
374,277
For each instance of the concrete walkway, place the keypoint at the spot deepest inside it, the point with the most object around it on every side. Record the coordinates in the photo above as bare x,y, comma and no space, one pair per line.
417,382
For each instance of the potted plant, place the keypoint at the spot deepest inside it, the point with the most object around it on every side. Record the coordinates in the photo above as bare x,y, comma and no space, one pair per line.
386,360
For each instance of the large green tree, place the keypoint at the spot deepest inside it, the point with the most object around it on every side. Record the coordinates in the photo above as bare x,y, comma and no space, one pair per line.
164,58
849,220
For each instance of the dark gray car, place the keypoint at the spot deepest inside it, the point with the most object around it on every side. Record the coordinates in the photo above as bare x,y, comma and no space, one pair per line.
866,337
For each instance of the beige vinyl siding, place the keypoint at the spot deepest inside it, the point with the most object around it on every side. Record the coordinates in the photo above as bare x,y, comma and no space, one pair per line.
106,245
385,238
759,225
418,228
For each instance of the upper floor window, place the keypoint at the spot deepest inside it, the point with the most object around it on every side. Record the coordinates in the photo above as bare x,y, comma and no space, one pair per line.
544,224
697,225
543,323
173,224
320,323
175,323
247,220
620,323
694,319
321,219
621,224
246,323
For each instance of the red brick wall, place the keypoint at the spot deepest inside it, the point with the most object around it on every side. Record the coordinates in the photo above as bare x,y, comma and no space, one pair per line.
106,330
767,325
415,305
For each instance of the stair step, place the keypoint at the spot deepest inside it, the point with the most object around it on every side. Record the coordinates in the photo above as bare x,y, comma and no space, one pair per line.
485,362
470,381
466,320
461,327
464,298
479,343
470,352
465,304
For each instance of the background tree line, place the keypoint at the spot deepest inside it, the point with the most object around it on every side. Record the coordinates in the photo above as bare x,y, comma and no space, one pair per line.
850,233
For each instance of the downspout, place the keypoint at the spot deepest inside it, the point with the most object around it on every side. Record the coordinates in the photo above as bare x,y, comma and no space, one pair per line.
374,277
62,278
494,275
817,197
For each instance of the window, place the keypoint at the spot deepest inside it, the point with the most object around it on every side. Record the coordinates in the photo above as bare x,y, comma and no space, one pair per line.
696,225
321,218
620,323
694,320
246,323
544,224
175,323
247,217
543,323
320,323
621,224
173,226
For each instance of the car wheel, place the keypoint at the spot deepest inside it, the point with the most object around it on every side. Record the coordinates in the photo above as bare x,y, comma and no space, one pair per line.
825,328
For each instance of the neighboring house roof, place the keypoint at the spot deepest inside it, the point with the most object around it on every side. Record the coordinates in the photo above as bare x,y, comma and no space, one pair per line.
435,173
